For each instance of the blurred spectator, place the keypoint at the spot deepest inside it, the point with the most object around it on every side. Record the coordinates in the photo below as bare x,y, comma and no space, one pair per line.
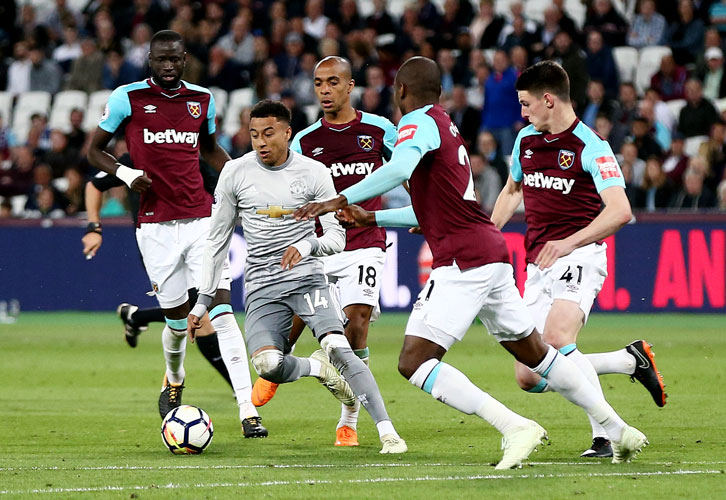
44,205
487,148
19,69
299,119
6,209
223,72
698,114
45,74
302,84
601,64
694,194
685,36
466,118
7,140
712,76
239,42
39,134
68,51
118,71
446,61
550,28
106,35
660,131
714,152
721,195
59,157
597,103
572,60
657,189
661,111
486,26
428,15
670,80
288,63
676,160
360,58
717,15
76,137
644,139
375,80
137,47
75,191
712,38
610,131
87,70
475,93
380,20
457,15
38,200
315,21
519,58
114,203
629,157
565,22
348,19
486,182
151,12
61,16
628,98
241,141
18,177
648,27
501,110
604,18
519,35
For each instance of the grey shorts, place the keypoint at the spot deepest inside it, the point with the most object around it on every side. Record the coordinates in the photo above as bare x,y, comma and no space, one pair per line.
270,311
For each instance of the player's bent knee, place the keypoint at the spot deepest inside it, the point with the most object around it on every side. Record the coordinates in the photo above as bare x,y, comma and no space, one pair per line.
268,364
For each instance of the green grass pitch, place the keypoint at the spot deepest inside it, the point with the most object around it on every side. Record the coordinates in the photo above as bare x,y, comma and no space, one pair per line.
78,419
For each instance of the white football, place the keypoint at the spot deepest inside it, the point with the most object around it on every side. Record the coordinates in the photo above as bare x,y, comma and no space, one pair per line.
187,430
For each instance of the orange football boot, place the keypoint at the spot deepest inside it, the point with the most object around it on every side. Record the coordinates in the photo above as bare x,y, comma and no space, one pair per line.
263,391
346,436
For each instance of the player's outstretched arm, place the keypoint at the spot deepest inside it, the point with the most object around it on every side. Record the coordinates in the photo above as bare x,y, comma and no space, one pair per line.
93,238
99,158
615,215
507,202
318,208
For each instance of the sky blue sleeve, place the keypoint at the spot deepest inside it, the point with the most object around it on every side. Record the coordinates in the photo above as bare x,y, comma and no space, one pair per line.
417,130
397,217
399,169
118,108
515,169
389,138
211,114
295,144
599,161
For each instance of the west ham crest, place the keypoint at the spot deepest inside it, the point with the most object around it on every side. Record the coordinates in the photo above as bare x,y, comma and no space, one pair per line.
565,159
365,142
194,108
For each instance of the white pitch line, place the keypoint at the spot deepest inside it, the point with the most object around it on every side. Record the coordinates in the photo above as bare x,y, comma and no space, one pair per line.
319,466
172,486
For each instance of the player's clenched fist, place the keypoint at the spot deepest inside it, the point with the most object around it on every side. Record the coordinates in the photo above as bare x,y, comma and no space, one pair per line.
355,216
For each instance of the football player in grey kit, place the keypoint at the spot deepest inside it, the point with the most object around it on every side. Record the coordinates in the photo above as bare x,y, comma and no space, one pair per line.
282,276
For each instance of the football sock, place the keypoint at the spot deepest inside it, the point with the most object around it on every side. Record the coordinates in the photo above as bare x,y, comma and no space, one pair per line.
174,341
234,353
564,377
588,371
620,361
142,317
450,386
357,374
349,414
209,347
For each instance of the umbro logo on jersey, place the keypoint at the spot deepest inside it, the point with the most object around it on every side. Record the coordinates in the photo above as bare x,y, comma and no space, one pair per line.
539,180
317,151
528,154
149,108
171,136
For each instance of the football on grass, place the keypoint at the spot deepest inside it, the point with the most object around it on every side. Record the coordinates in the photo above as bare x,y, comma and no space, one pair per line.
187,430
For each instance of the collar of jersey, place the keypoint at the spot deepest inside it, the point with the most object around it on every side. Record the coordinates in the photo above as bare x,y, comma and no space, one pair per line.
290,154
554,137
340,127
164,91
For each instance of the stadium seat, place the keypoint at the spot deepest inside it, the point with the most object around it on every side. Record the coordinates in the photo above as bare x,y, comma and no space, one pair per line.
693,143
626,59
220,100
18,202
676,105
6,107
311,111
28,103
720,105
63,103
238,100
648,65
96,104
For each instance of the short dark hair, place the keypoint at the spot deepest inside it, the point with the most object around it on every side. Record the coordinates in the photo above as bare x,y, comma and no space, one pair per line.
167,36
267,107
545,76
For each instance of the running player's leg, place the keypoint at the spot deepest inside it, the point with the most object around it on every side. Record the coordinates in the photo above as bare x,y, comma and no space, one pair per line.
442,314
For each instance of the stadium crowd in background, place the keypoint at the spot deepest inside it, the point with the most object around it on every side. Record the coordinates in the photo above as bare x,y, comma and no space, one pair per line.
270,47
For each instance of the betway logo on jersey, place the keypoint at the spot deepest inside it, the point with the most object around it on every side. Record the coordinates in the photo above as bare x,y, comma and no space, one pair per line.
539,180
360,168
171,136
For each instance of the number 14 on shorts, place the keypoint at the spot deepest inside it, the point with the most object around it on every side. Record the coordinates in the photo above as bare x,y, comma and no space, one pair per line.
319,301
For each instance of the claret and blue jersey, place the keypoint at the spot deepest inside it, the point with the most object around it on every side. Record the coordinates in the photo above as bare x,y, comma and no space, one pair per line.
562,176
162,130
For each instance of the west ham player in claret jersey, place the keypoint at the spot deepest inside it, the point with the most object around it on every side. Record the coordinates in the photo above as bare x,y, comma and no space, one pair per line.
352,144
471,273
565,172
167,123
